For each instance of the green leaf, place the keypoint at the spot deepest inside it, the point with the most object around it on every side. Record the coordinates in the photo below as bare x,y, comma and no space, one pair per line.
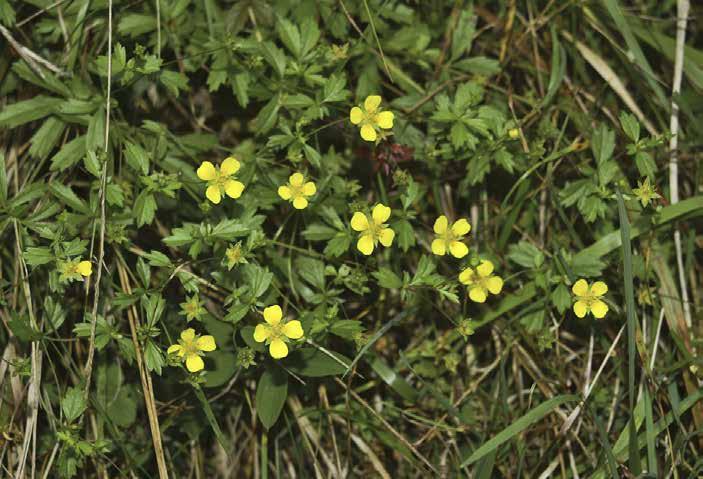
38,255
346,328
258,278
73,404
387,279
70,154
603,143
290,36
526,254
271,394
275,57
517,426
22,112
314,363
145,208
46,138
66,195
630,126
136,157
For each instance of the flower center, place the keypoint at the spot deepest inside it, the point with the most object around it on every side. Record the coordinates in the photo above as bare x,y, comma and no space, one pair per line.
448,236
296,191
276,332
189,347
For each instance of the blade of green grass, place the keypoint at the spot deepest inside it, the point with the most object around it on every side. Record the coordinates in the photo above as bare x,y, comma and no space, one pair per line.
210,417
609,456
518,426
649,432
634,456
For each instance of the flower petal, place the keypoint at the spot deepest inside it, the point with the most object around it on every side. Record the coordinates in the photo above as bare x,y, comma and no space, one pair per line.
580,288
356,115
293,329
85,268
262,332
385,237
439,247
285,192
273,314
207,171
234,188
368,133
440,225
466,276
385,120
599,288
299,203
359,222
309,188
485,269
477,294
365,244
380,214
371,103
599,309
461,227
205,343
188,334
278,349
494,284
175,349
296,179
213,194
580,308
229,167
458,249
194,363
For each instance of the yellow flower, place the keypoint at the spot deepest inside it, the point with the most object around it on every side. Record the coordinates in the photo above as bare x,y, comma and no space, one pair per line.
481,281
371,118
296,190
514,133
450,238
234,255
588,298
74,269
190,347
277,333
373,229
221,180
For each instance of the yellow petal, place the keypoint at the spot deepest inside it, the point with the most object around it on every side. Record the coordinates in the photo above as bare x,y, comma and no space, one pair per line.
599,288
458,249
371,103
356,115
365,244
385,237
213,194
580,308
229,167
359,222
477,294
175,349
293,329
439,247
234,188
599,309
385,120
206,343
206,171
299,203
188,334
580,288
461,227
278,349
262,332
485,269
296,179
309,188
494,284
273,314
380,214
440,225
194,363
466,276
368,133
285,192
85,268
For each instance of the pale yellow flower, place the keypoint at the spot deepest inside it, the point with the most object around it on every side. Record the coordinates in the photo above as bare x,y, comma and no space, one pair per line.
190,347
588,298
221,180
450,239
373,230
277,333
371,118
297,191
481,281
